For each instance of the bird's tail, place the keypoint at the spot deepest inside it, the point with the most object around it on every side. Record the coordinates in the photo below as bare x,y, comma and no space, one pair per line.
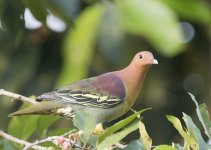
41,108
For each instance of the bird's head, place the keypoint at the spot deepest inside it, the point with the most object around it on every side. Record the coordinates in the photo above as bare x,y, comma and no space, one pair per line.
144,58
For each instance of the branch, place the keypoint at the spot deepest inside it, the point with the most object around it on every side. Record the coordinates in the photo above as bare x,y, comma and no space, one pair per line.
48,139
17,96
22,142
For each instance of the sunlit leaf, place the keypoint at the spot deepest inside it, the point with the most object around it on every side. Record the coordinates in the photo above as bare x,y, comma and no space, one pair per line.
164,147
195,132
185,9
116,137
79,45
155,21
145,138
177,124
203,116
120,125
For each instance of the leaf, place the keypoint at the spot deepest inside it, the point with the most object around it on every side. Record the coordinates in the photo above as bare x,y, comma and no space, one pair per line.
179,147
195,132
44,123
145,138
135,145
6,145
120,125
165,147
83,121
111,33
203,116
61,9
185,10
79,45
155,21
59,131
92,139
23,126
177,124
38,10
116,137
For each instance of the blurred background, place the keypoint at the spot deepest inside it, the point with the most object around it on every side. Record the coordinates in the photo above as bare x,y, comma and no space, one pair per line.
48,44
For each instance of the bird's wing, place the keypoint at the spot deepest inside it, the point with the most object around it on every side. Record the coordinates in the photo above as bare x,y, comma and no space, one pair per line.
103,91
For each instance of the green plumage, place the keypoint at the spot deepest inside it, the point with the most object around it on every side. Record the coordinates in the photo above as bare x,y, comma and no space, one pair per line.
106,97
92,94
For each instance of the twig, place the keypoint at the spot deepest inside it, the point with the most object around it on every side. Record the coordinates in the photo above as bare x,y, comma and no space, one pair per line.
17,96
22,142
52,139
49,139
119,145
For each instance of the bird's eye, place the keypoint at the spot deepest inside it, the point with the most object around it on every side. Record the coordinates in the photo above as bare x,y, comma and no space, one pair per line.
140,56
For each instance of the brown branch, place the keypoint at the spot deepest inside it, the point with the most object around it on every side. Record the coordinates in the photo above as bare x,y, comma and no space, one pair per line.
17,96
22,142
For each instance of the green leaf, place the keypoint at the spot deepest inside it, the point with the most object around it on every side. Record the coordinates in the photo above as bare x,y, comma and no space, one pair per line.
83,121
120,125
44,123
59,131
23,126
203,116
91,139
38,10
155,21
116,137
145,138
195,132
58,9
179,147
185,10
177,124
111,33
6,145
165,147
79,45
135,145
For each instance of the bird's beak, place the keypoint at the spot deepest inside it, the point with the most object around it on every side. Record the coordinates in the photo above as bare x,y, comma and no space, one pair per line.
155,61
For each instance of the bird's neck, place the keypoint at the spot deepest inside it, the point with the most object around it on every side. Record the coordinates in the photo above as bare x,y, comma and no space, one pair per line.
133,78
